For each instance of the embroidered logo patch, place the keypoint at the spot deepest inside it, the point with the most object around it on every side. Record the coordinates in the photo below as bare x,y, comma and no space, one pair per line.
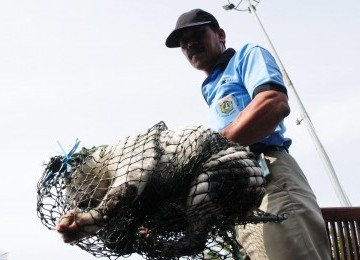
226,104
227,80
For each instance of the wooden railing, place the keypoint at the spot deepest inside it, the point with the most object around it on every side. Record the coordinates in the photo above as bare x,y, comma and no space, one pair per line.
343,228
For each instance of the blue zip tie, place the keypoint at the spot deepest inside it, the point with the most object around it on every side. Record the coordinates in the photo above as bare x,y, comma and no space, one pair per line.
67,157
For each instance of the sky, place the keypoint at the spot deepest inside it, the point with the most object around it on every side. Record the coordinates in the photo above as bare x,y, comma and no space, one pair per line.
99,71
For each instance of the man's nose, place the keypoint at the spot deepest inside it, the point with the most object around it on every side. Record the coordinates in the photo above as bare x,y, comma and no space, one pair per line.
191,43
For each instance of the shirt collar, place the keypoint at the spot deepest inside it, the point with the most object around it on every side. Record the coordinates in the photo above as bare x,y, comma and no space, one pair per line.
221,63
224,58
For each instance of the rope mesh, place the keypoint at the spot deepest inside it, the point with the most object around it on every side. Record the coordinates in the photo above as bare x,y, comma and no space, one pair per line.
162,194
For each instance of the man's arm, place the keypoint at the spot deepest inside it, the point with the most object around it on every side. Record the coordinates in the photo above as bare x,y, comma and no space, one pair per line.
259,119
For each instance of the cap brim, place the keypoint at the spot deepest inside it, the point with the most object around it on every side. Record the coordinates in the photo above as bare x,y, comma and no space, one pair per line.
173,40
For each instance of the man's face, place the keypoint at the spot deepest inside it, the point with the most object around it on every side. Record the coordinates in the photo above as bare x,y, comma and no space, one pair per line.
202,46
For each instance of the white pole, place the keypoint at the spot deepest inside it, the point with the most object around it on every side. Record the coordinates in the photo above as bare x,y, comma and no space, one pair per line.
344,200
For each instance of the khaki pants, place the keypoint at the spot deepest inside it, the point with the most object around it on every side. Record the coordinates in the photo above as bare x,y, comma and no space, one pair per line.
302,235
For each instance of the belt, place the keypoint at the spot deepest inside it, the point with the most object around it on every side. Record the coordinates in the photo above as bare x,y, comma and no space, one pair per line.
263,148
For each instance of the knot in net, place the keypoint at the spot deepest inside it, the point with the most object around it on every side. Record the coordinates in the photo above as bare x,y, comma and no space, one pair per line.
162,194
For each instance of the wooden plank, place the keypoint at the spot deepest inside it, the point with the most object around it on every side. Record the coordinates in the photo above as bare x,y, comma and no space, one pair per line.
341,240
341,214
333,234
354,240
347,236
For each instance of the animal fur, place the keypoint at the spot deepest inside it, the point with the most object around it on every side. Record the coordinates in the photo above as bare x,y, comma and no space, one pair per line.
207,175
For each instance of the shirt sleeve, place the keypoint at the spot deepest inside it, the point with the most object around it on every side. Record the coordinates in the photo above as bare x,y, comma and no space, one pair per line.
258,68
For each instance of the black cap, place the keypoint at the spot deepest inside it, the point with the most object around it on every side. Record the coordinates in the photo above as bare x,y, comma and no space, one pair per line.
192,18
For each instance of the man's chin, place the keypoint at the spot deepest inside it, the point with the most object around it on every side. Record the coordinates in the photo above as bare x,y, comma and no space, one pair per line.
199,66
197,56
197,62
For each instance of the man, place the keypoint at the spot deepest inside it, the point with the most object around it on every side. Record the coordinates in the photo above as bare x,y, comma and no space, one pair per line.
248,102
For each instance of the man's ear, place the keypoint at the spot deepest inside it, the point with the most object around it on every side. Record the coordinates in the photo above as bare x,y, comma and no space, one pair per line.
222,35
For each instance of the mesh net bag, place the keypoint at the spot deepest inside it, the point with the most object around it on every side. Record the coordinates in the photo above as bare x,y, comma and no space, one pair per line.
161,194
